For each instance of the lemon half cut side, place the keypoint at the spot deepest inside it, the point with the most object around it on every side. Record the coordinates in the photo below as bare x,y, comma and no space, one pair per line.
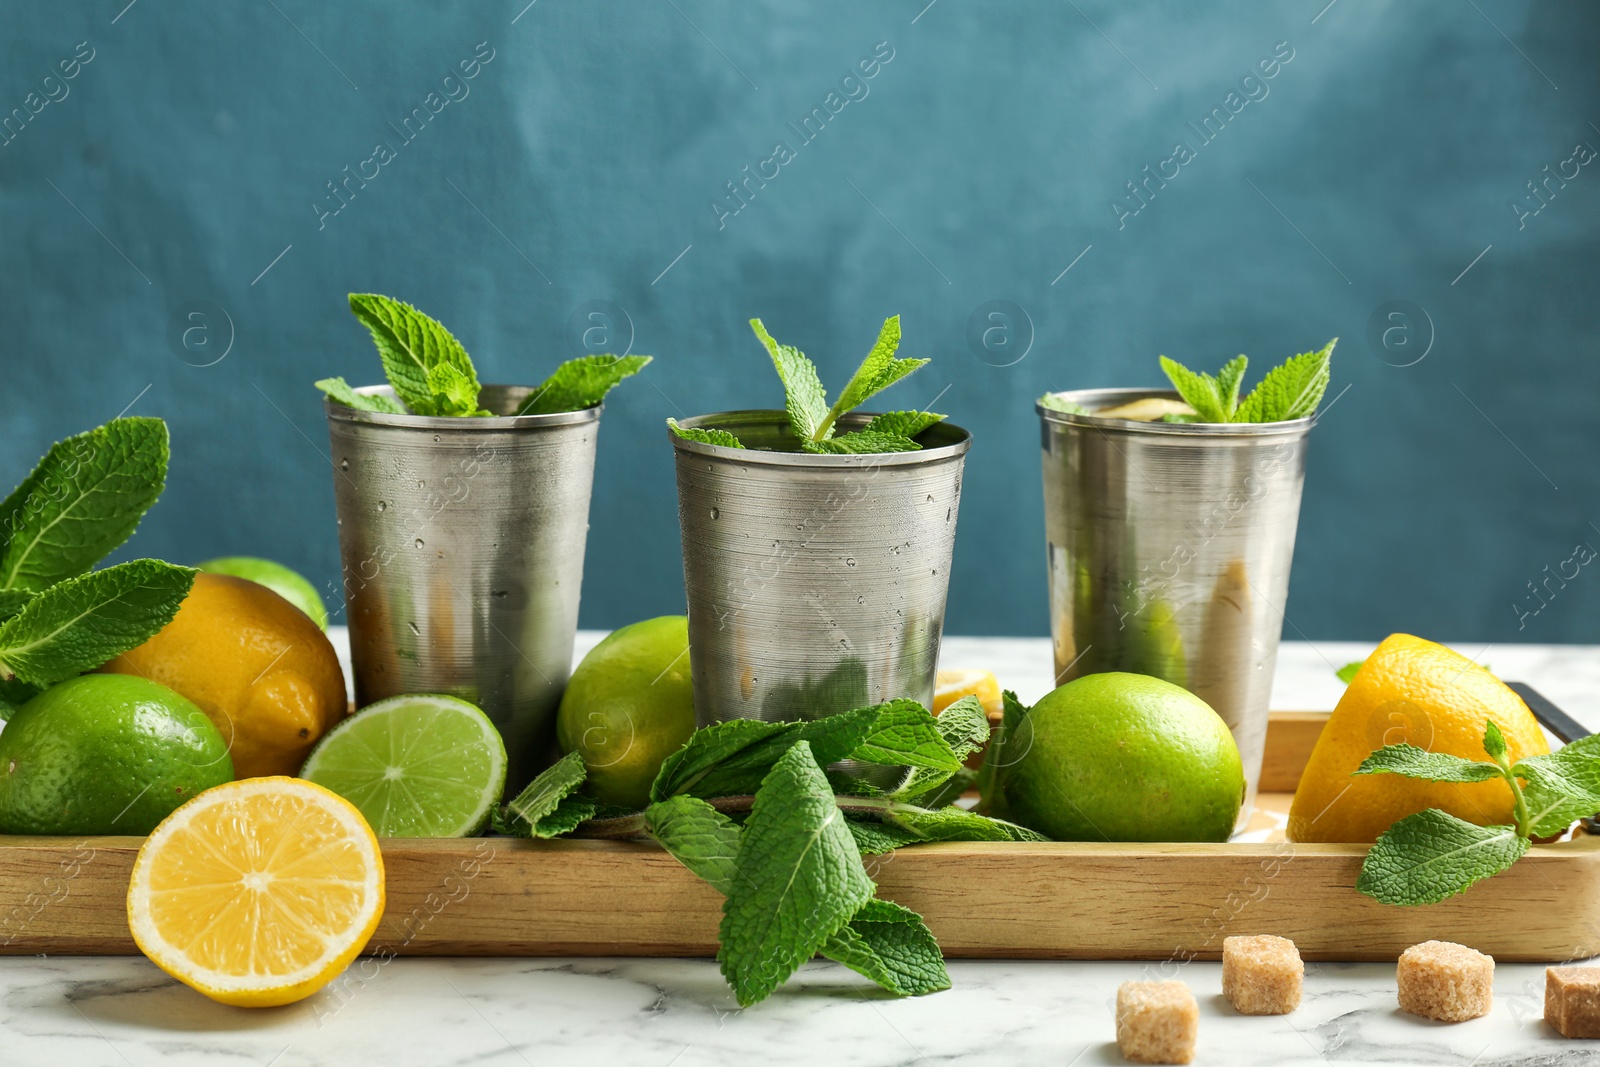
258,892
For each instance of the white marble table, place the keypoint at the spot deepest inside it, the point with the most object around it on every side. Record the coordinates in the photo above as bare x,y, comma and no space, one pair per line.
65,1011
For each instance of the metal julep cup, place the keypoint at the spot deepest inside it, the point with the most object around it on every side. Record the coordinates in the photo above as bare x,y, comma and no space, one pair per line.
462,544
1169,553
815,583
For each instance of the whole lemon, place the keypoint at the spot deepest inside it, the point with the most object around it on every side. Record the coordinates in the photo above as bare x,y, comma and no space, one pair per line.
105,754
629,705
256,664
1123,757
1409,691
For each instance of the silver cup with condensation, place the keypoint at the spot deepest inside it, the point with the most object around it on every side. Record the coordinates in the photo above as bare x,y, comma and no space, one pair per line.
815,583
462,543
1169,551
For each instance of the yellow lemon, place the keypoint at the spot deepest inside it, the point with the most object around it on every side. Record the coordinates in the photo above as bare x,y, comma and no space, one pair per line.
951,686
1415,692
263,671
257,892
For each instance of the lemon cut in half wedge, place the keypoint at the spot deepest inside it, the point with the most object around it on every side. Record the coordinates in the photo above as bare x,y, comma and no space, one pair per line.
257,892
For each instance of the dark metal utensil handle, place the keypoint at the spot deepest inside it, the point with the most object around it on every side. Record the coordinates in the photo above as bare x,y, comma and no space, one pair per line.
1551,717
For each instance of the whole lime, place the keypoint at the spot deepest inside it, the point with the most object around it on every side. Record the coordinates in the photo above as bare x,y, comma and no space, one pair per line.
105,754
629,705
1123,757
291,585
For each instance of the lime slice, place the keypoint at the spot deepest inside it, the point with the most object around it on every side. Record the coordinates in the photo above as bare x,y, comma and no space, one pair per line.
416,766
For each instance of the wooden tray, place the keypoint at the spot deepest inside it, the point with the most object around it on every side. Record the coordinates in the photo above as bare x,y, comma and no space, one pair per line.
510,897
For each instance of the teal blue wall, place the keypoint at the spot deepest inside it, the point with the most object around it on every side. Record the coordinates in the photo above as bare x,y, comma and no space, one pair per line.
981,159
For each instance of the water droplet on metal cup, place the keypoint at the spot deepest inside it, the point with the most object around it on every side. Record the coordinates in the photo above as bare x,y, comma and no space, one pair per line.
715,514
344,464
414,629
383,505
419,542
849,561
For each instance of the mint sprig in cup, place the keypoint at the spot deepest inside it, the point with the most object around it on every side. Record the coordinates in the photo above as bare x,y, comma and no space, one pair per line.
814,422
1291,390
432,375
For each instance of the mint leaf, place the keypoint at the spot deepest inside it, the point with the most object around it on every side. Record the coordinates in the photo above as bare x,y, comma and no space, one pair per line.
1173,416
947,793
1228,379
862,442
1562,787
13,601
906,734
78,624
410,344
874,837
83,500
1413,762
902,423
798,879
705,436
1347,673
713,746
1055,402
875,374
1008,745
957,824
804,398
732,758
1431,856
1199,391
569,813
1289,391
1494,742
581,383
699,836
892,946
544,795
453,393
340,392
965,728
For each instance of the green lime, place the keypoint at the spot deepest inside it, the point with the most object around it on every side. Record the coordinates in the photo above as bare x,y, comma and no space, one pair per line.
290,585
105,754
629,705
1123,757
416,766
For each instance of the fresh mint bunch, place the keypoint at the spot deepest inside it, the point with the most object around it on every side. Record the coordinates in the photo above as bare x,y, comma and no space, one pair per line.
1291,390
813,420
58,617
432,374
750,808
1432,855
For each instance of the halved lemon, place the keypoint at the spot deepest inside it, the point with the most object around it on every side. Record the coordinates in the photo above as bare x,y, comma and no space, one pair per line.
257,892
951,686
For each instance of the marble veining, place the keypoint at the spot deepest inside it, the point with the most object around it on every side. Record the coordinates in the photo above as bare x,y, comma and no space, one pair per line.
122,1012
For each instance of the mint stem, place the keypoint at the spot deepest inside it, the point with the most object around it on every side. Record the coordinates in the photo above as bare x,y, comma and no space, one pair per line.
632,827
1524,817
624,828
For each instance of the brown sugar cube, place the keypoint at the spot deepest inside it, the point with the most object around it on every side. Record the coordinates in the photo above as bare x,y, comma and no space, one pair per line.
1572,1000
1157,1022
1262,975
1445,981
